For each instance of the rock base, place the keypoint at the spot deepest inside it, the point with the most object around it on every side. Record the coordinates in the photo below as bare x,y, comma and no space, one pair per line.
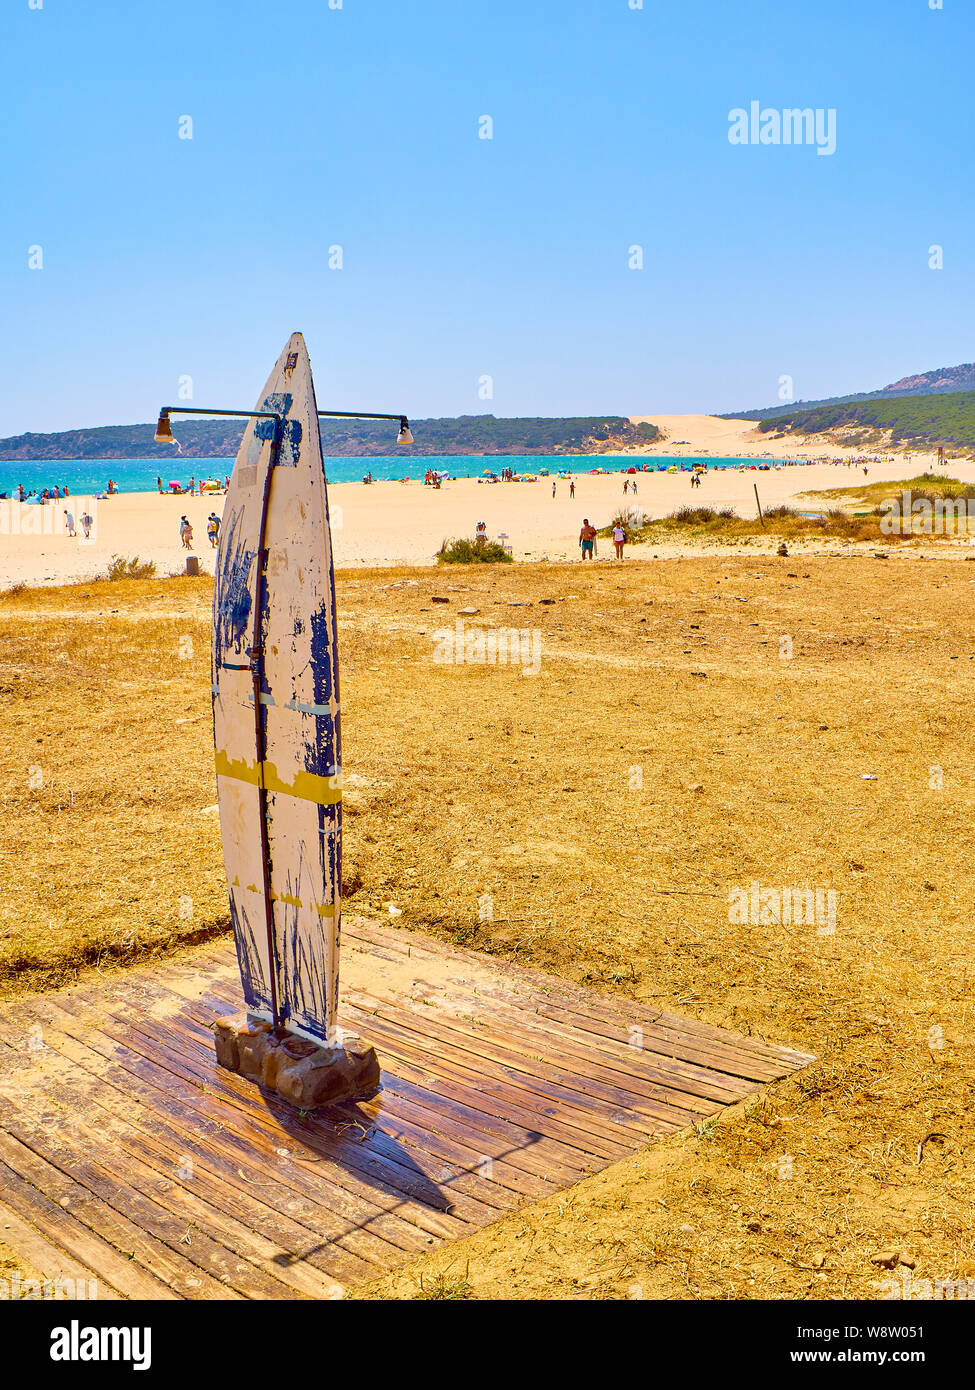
303,1073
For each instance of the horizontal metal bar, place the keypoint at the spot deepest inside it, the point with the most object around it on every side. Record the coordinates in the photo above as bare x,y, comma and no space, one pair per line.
239,414
356,415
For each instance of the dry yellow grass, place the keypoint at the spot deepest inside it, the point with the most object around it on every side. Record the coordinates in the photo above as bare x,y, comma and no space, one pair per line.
668,749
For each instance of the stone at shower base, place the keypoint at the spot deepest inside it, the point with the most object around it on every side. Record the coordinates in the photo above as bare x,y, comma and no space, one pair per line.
304,1073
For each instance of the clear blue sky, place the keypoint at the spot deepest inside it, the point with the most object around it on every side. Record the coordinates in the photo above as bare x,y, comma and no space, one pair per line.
466,257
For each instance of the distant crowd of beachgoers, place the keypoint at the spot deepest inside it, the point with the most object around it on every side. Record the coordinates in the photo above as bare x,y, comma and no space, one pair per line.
193,488
52,494
435,477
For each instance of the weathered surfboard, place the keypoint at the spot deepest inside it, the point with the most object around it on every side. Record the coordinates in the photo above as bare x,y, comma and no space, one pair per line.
279,768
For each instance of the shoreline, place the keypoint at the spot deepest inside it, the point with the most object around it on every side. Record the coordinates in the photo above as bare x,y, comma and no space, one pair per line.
392,524
488,468
720,442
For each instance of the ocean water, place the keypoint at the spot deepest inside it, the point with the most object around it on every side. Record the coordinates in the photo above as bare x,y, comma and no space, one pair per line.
139,475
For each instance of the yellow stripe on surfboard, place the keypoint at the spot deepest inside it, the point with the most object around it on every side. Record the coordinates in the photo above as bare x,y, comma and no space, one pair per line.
307,786
323,910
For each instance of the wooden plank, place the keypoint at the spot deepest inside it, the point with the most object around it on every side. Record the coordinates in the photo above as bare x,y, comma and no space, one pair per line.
410,1237
638,1069
47,1259
596,1096
508,976
342,1192
488,1134
487,1093
485,1087
583,1123
376,1153
157,1233
89,1229
147,1162
619,1062
554,1158
437,1144
500,1086
424,1141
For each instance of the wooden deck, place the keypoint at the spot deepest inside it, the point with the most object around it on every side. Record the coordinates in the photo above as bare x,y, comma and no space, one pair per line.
128,1156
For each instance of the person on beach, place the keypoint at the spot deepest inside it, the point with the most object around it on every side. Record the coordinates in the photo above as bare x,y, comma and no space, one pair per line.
213,529
185,533
587,539
159,484
86,523
553,489
633,486
572,488
68,522
626,487
619,540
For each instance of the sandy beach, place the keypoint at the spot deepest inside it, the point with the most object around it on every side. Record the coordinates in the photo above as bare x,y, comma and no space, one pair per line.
393,523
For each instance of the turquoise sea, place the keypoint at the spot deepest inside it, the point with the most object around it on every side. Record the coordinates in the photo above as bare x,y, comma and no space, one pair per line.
139,475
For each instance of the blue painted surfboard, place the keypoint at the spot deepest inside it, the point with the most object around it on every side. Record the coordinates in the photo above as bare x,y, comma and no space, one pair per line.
276,724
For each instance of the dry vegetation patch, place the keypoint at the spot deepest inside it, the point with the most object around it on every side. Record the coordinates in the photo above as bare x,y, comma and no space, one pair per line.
693,726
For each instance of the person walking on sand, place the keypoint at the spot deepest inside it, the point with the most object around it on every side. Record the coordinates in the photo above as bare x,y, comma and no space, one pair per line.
553,489
86,523
68,522
587,539
572,488
185,533
619,540
213,529
626,486
633,486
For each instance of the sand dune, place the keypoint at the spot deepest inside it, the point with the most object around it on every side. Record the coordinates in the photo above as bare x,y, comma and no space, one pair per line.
723,438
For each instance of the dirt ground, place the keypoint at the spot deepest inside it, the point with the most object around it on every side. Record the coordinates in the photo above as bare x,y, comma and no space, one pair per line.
671,731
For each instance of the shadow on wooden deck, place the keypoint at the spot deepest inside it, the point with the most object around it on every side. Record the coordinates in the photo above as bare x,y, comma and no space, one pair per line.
128,1155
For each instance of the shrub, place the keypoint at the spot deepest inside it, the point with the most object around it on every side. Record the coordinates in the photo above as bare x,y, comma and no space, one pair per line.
633,522
479,551
702,516
121,568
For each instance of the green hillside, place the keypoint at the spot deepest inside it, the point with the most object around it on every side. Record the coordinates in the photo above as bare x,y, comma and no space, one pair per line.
465,434
923,420
940,381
